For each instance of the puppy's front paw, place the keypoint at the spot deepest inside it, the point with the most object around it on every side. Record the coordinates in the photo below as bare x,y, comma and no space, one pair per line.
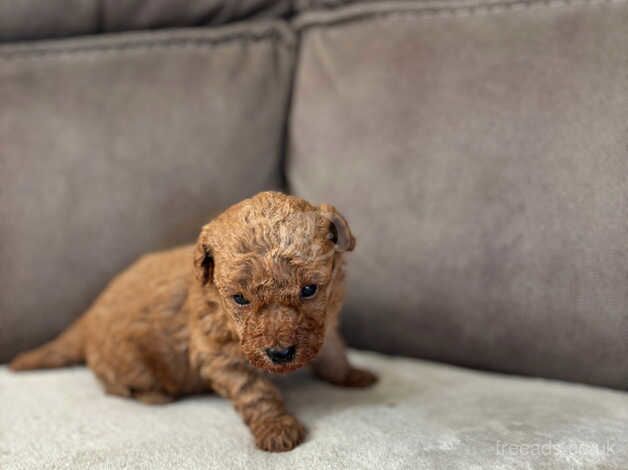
359,378
278,434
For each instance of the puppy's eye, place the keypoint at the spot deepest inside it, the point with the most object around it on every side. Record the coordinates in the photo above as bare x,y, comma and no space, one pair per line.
240,299
333,233
308,291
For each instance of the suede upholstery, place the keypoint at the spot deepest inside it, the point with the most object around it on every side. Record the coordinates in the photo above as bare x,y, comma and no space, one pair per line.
37,19
123,15
115,146
479,153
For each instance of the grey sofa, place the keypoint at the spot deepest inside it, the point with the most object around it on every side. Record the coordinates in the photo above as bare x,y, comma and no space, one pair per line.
479,149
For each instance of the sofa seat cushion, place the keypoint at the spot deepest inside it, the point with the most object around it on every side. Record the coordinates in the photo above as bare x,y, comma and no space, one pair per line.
420,415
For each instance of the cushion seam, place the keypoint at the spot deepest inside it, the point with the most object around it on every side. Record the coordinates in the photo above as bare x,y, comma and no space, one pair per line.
141,45
329,19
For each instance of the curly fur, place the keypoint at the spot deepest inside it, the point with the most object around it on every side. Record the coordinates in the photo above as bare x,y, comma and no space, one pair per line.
168,326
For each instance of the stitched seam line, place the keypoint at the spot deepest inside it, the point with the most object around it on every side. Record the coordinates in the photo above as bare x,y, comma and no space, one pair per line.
141,45
403,11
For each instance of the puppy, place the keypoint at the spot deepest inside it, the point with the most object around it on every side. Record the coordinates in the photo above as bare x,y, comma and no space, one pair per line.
260,292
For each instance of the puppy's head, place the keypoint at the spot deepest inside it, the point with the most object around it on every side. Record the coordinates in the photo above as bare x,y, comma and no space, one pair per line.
273,259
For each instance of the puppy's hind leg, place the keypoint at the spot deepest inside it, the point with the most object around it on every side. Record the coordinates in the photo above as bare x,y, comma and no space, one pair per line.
153,398
332,364
146,397
126,374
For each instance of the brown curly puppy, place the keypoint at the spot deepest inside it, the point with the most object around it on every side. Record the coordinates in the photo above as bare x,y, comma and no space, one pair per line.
259,292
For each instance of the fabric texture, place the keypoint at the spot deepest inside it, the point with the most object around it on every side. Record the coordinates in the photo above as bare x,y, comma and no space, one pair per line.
122,15
117,146
36,19
351,7
306,5
420,416
479,154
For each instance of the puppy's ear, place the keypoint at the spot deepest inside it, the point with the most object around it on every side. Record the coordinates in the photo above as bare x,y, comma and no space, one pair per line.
339,231
203,258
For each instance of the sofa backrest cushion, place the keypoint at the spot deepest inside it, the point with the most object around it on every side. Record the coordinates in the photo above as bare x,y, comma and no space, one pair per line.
480,153
114,146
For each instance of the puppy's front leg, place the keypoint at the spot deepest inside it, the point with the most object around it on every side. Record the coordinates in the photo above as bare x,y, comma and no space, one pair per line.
332,364
257,400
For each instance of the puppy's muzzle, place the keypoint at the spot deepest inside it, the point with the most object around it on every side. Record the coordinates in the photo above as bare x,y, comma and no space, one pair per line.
281,355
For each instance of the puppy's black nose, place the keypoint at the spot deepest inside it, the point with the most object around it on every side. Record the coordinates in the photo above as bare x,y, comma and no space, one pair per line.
281,355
